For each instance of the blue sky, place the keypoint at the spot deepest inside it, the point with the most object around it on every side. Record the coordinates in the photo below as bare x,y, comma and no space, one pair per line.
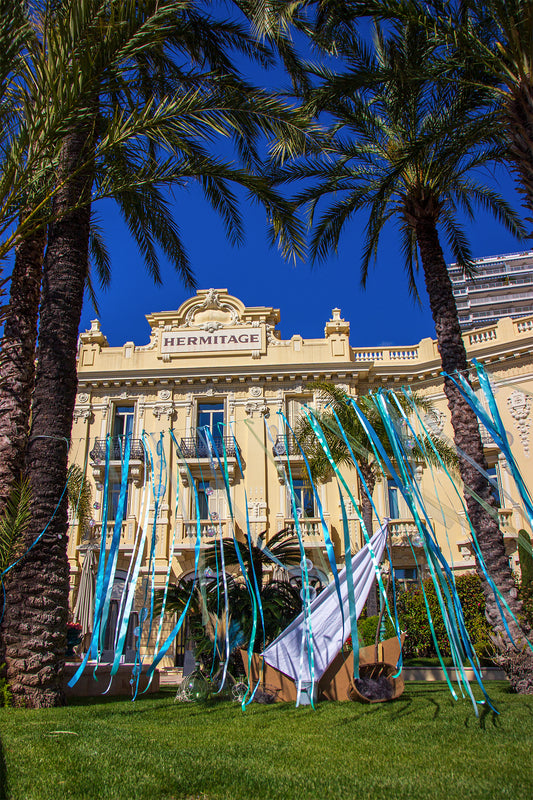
383,314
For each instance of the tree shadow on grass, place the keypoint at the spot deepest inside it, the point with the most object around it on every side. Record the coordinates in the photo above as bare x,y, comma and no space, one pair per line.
4,790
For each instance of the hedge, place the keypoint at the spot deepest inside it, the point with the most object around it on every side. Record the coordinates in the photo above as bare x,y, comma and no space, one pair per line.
413,618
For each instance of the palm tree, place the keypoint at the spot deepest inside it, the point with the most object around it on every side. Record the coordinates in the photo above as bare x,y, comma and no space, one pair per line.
405,148
339,422
492,42
117,60
280,600
283,546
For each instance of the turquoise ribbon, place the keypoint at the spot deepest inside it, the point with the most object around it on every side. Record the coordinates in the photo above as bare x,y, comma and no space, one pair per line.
307,635
496,429
409,491
157,494
172,635
133,574
106,565
351,589
459,640
255,600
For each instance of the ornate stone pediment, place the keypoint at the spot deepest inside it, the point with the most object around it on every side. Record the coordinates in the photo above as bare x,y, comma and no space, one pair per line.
213,313
210,310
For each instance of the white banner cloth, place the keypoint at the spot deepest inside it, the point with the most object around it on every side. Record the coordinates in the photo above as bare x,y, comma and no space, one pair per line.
327,628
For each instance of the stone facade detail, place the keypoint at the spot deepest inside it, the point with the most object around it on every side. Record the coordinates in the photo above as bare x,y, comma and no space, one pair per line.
519,407
256,407
244,389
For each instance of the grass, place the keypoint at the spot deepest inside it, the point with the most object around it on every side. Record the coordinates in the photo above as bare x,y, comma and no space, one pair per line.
424,745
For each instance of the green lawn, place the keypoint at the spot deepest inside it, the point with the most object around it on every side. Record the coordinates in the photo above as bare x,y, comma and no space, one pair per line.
424,745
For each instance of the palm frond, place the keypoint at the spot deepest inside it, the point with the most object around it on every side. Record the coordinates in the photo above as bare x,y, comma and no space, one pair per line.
13,524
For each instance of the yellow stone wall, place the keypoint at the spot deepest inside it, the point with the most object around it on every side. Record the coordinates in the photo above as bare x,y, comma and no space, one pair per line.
214,349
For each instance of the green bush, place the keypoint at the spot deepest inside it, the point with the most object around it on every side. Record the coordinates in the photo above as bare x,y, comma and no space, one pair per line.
366,628
414,621
5,694
526,582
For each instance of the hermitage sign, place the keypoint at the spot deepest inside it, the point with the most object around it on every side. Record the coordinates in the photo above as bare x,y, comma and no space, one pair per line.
187,341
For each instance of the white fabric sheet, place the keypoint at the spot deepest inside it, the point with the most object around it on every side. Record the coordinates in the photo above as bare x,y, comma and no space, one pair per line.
328,632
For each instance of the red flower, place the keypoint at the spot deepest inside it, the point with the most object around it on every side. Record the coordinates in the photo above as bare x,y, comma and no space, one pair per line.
74,626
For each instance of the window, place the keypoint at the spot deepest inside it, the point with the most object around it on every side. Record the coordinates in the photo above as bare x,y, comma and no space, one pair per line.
304,499
123,421
295,408
406,574
392,493
211,501
211,417
113,495
406,577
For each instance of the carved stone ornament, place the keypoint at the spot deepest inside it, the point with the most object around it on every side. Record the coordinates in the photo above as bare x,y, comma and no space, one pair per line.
164,394
83,397
210,327
137,474
82,413
163,408
212,303
256,391
257,510
257,407
152,344
519,407
271,335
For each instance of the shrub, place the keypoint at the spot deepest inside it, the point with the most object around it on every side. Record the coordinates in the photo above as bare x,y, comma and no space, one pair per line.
526,580
5,694
414,621
366,628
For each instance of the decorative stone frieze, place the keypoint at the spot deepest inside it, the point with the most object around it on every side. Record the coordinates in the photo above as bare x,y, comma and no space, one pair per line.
163,409
256,407
82,413
519,407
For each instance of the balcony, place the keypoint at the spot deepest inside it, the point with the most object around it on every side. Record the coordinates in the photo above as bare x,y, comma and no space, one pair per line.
128,530
286,446
310,528
199,446
210,531
116,449
403,532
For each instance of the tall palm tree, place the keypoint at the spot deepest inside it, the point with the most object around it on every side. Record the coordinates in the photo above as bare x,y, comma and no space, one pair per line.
406,149
492,42
116,60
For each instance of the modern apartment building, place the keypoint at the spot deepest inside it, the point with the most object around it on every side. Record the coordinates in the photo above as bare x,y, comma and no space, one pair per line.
216,365
503,287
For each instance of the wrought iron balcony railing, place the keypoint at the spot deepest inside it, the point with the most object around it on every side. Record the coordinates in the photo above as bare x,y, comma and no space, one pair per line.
284,444
116,449
200,446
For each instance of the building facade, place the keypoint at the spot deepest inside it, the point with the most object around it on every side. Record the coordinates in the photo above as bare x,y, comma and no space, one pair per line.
503,287
219,366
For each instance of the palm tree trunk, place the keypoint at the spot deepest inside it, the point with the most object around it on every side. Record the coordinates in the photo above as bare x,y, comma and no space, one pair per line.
37,607
368,519
17,359
519,127
466,430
